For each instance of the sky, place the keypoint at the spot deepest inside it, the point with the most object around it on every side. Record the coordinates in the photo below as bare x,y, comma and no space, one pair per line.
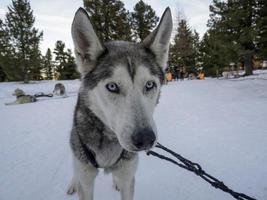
54,17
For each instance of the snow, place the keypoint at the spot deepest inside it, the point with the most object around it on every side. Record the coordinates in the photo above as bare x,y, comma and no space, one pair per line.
221,124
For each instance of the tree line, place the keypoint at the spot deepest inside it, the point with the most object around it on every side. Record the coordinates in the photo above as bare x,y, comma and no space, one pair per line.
236,34
20,54
238,31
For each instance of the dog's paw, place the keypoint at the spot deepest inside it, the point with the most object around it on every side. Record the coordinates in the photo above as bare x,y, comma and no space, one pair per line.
71,189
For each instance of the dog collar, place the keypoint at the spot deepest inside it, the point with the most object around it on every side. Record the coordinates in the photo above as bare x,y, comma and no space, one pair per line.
22,95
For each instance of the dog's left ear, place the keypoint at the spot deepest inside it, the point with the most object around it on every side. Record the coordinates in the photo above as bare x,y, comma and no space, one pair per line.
158,41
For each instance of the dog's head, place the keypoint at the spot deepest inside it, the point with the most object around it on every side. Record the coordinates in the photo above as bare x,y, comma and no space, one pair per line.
18,92
122,80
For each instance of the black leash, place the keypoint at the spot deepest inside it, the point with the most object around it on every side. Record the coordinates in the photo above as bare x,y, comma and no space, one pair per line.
41,94
196,168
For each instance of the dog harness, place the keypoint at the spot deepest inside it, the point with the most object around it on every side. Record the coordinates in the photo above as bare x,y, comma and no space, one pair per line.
90,155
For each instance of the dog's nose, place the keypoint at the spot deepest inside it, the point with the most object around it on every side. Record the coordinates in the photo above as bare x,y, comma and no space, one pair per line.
143,139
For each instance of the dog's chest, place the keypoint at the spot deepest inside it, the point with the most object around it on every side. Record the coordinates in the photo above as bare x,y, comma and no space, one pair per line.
108,155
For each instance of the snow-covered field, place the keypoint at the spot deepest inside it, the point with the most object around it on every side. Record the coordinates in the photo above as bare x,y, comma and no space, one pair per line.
221,124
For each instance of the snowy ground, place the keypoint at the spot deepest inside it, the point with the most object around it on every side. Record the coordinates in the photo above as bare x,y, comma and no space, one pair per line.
221,124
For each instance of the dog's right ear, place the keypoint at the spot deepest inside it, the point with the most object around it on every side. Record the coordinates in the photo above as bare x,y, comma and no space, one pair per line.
86,43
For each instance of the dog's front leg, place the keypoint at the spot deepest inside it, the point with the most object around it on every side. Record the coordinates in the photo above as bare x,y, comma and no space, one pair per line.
123,178
84,177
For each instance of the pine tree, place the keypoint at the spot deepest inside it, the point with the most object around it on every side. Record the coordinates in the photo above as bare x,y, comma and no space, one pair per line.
35,58
3,51
65,67
261,22
2,75
143,20
247,36
109,18
196,47
24,38
48,65
216,53
182,52
61,59
71,72
233,22
8,60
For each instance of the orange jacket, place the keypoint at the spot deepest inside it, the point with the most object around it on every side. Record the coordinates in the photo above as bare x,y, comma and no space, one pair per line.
169,76
201,76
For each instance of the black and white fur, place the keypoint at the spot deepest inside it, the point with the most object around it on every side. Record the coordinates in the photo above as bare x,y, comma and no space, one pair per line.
120,88
59,90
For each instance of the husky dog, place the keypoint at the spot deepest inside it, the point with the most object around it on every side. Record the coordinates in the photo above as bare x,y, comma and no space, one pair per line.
227,75
113,120
59,89
192,76
21,97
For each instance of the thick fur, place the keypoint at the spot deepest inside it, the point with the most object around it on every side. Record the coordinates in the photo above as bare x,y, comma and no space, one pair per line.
59,89
115,125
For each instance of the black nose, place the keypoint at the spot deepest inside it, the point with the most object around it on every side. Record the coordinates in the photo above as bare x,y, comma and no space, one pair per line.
143,139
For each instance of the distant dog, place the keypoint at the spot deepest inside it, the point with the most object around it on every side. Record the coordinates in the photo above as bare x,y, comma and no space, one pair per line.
113,119
227,75
192,76
59,89
22,98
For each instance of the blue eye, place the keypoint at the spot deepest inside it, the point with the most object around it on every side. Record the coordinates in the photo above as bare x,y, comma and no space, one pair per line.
113,87
150,85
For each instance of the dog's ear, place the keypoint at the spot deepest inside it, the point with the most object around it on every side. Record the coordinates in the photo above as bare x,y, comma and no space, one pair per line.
86,43
158,41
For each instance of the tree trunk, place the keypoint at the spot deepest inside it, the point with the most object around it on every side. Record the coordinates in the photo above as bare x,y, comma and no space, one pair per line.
26,78
25,73
248,65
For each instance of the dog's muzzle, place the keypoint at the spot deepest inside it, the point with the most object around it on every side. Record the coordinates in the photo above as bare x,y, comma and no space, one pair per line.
143,139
